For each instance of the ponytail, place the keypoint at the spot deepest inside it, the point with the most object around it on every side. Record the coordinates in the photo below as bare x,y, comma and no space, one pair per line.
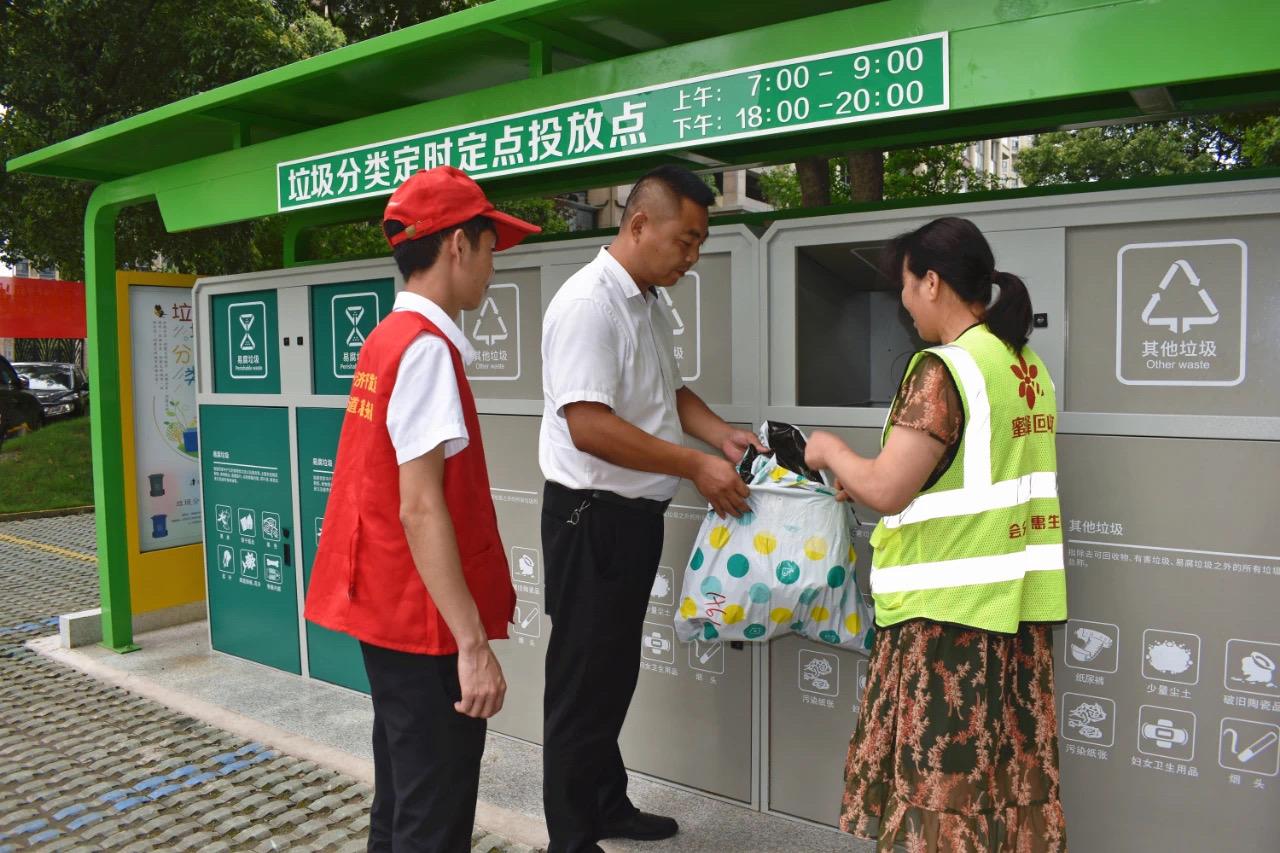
1009,319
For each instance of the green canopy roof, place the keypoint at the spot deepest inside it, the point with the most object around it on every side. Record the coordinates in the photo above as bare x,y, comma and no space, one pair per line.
466,51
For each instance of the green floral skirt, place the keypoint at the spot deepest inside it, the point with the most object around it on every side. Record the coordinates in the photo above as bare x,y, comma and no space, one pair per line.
956,748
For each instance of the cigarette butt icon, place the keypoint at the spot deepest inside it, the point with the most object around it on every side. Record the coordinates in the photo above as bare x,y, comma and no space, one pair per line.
1260,745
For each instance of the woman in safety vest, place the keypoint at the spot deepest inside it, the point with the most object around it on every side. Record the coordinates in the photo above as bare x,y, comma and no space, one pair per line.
956,745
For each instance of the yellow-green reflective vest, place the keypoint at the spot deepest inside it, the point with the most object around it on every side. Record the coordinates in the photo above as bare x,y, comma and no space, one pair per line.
983,546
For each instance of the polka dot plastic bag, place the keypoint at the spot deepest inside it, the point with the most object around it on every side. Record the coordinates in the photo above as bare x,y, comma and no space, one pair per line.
784,567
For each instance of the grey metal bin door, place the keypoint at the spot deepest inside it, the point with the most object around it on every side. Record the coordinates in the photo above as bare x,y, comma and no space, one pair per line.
1174,560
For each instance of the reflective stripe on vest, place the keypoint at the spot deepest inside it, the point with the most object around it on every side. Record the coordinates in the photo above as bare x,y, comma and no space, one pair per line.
951,554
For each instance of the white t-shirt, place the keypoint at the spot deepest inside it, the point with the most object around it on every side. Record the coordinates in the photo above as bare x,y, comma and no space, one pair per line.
604,340
425,410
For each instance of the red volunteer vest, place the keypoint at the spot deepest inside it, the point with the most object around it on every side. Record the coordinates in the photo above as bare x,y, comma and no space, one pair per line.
364,582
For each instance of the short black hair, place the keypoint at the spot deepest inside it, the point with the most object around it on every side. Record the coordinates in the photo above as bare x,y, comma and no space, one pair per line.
421,253
675,182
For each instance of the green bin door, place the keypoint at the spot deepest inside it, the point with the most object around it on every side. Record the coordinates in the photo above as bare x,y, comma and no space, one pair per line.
246,346
250,546
332,657
342,316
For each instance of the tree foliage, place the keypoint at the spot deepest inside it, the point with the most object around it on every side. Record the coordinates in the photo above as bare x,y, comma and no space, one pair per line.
908,173
362,19
70,66
1153,149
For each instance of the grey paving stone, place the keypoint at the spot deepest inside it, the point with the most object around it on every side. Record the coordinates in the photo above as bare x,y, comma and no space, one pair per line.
251,834
67,740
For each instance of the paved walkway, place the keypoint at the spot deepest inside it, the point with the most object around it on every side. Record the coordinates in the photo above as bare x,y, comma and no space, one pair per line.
86,766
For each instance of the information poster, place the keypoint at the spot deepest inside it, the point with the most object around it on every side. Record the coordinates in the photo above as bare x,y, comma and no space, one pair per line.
166,450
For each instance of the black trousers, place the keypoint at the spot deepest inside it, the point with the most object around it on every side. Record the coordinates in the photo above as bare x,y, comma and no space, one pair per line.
600,561
426,756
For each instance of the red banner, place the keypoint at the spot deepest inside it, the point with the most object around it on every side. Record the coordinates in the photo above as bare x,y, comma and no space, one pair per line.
40,308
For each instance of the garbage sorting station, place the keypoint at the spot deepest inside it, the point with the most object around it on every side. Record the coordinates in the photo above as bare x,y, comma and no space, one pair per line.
1157,307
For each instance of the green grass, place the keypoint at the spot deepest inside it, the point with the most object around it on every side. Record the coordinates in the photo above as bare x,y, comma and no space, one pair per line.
50,468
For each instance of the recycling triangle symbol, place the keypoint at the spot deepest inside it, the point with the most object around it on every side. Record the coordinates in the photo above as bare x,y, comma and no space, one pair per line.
490,323
1211,315
677,324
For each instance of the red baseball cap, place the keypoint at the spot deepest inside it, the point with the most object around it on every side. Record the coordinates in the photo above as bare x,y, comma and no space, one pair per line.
435,199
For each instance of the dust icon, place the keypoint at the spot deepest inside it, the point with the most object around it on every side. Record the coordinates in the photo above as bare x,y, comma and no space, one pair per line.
1170,656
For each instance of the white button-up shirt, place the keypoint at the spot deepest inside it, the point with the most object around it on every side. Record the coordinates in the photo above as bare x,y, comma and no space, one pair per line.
425,410
604,340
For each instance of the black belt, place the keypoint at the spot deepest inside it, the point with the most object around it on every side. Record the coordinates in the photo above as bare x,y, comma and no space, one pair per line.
646,505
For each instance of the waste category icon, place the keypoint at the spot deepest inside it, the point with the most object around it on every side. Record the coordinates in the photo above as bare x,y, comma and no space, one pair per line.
707,656
527,619
819,673
354,337
1166,732
1088,719
1089,643
1180,270
494,332
525,565
1251,667
1170,656
658,643
663,589
247,343
1181,312
490,327
1249,746
1093,646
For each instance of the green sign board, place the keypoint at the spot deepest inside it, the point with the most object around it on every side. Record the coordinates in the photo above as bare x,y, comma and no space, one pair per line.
342,316
332,657
859,84
246,351
248,534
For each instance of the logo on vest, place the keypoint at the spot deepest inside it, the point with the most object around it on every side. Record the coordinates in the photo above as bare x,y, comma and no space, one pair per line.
1028,388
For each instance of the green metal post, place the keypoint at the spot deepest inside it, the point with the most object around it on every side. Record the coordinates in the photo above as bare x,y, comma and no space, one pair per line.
539,58
105,415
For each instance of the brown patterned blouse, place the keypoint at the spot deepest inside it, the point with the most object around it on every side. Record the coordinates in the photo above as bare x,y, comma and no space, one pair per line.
929,401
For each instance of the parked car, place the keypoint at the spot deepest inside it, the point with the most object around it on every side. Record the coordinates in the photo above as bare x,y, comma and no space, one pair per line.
18,406
61,388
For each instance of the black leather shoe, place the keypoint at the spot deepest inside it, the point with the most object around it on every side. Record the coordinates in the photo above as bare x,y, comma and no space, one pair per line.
643,826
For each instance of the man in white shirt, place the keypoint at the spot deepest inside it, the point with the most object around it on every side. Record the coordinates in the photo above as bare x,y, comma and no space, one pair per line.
611,449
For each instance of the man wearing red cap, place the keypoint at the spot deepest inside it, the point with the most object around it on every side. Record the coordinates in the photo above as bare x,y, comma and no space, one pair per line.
410,562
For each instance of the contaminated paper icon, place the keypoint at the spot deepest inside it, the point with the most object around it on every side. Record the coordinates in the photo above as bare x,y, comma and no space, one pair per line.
819,673
1088,719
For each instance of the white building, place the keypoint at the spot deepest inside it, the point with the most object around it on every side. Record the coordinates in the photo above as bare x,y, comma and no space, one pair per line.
995,157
